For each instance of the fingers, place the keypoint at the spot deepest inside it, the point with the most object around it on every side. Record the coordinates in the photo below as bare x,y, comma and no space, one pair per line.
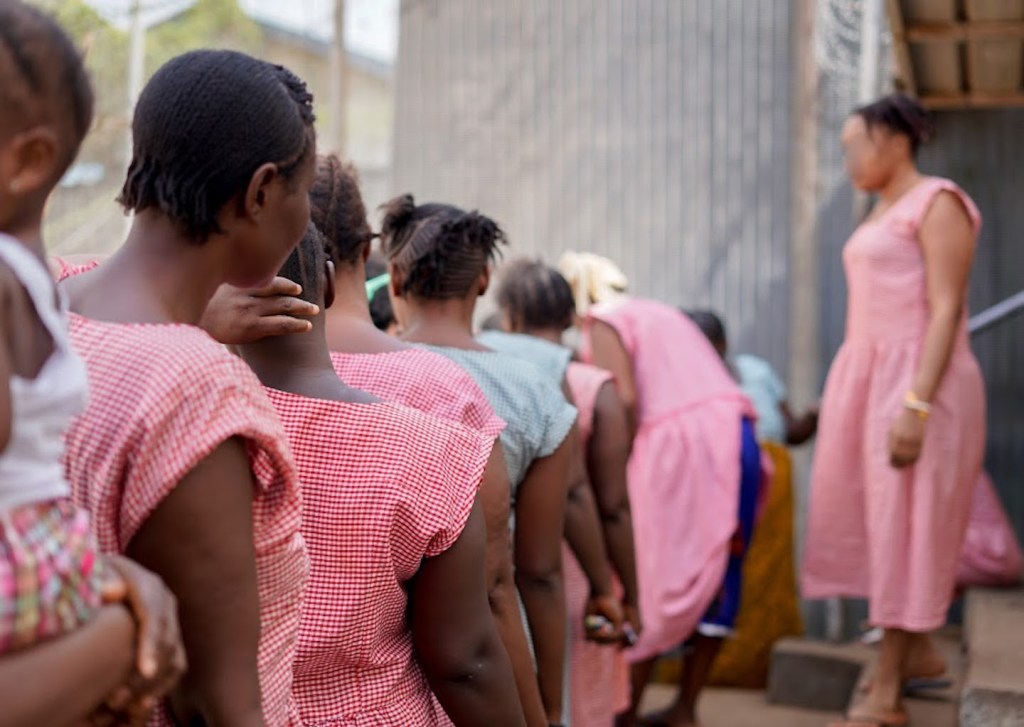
278,286
276,325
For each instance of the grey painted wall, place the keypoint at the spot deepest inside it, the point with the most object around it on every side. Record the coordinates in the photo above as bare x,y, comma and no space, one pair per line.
657,133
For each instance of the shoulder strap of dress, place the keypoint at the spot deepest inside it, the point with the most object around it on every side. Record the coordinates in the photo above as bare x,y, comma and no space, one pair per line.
35,278
926,193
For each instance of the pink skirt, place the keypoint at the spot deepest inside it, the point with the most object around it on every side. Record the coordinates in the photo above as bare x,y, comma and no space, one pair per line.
50,580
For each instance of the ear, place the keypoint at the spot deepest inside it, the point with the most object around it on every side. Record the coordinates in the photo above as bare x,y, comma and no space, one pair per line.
484,282
395,284
256,193
329,284
32,160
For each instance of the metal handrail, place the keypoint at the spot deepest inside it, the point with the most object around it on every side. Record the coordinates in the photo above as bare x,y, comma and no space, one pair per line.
998,313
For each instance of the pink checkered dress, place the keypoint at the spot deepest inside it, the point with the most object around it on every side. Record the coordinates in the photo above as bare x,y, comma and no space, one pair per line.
163,397
384,487
421,380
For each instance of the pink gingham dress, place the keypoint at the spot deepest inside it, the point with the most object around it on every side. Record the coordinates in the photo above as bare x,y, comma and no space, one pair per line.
893,536
422,380
384,487
163,397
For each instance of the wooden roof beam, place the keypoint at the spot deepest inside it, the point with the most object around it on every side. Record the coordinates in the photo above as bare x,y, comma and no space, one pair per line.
904,66
960,32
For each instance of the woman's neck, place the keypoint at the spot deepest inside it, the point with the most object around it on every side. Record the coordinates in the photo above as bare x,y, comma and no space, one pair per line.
905,177
157,276
446,323
350,328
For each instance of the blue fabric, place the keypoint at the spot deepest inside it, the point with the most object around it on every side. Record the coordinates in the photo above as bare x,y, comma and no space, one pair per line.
722,614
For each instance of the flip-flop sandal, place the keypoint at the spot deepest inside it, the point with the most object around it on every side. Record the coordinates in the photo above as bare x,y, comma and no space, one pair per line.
915,685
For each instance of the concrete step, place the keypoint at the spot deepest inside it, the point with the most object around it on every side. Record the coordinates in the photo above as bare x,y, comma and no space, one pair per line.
993,694
814,674
822,676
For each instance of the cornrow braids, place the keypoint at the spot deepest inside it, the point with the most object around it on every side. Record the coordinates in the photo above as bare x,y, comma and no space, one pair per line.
203,125
439,250
535,296
337,209
305,265
42,76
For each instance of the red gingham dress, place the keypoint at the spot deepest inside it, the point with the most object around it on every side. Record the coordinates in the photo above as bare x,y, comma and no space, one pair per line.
598,674
421,380
162,398
384,487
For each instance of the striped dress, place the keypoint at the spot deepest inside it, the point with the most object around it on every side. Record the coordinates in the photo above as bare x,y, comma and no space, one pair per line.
384,488
163,397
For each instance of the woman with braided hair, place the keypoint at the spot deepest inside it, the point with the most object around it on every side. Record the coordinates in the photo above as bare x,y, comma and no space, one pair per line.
179,456
369,359
440,258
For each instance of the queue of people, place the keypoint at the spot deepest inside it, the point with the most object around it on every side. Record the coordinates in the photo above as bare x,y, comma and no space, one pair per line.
245,482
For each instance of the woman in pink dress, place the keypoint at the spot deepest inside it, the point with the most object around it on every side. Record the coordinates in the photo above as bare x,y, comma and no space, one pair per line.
902,431
694,474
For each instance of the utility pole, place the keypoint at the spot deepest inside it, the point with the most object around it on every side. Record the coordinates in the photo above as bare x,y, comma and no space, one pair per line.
337,94
136,68
136,65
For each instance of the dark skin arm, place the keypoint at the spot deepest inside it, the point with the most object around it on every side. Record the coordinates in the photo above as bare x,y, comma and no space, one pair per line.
585,537
540,521
456,639
200,541
607,458
62,681
610,355
494,498
948,240
799,430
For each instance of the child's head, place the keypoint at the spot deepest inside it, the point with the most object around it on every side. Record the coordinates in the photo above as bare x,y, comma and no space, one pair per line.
337,209
534,297
224,148
46,107
711,324
437,251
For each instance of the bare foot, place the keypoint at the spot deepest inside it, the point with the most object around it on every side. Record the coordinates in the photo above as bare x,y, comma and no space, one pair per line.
879,707
923,662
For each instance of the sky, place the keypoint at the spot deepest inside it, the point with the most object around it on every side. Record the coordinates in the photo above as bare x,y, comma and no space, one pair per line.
371,26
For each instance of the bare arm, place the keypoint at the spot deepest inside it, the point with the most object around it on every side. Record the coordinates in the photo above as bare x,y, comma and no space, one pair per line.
947,240
608,457
800,429
495,497
200,541
61,682
610,355
540,521
456,638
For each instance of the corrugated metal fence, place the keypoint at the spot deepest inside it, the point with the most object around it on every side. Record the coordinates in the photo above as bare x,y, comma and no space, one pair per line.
657,133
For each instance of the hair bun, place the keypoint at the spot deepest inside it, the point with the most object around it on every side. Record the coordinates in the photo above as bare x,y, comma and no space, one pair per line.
398,213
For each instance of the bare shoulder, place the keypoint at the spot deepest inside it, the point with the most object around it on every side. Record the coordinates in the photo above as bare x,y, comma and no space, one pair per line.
947,213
